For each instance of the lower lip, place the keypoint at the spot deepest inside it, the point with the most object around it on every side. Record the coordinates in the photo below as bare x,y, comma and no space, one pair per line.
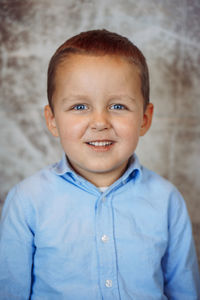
100,148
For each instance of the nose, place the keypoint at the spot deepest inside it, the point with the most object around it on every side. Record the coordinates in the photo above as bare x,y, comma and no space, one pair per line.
100,121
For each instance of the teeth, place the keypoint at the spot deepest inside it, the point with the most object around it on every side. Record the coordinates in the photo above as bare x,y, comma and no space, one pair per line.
98,144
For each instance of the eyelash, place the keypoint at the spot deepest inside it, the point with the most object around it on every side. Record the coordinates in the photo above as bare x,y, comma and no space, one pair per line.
79,107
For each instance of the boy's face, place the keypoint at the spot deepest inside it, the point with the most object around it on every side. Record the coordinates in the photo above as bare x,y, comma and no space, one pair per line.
98,114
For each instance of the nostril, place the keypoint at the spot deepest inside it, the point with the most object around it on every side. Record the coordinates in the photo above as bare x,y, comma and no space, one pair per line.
100,127
100,122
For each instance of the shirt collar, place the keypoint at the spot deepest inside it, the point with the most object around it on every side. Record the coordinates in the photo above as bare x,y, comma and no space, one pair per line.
62,166
134,169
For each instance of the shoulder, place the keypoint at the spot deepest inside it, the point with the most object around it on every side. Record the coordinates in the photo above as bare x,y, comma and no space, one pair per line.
160,191
33,187
155,182
36,181
27,197
165,198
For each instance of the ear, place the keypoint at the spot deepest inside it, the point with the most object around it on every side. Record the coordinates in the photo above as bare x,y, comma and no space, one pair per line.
50,120
147,119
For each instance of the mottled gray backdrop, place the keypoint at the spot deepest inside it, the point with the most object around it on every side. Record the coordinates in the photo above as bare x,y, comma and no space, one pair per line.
167,31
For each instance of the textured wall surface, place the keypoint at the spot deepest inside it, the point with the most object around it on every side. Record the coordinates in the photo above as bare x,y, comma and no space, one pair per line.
168,32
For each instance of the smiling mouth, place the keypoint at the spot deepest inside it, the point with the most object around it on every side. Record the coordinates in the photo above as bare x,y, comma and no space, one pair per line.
100,146
100,143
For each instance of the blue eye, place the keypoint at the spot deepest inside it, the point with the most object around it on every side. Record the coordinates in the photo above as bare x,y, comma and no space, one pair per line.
117,106
80,107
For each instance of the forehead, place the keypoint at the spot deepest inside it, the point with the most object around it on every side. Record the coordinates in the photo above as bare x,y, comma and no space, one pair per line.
96,74
106,69
78,69
77,60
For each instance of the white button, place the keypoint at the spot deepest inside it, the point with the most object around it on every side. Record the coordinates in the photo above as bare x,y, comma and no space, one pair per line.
104,238
104,199
108,283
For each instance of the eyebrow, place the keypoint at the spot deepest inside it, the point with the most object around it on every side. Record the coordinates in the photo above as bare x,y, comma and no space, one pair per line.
122,96
73,97
84,97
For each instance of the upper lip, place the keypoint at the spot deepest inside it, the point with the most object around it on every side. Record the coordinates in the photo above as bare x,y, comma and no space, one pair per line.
104,140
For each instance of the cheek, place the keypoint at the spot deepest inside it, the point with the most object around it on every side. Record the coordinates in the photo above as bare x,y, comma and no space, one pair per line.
128,128
71,128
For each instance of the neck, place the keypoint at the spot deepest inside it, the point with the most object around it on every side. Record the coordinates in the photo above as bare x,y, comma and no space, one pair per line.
100,179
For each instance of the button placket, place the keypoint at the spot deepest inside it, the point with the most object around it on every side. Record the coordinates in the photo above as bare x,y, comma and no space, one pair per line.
106,249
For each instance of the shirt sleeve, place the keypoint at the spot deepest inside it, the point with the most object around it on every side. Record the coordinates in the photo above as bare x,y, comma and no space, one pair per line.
16,248
180,264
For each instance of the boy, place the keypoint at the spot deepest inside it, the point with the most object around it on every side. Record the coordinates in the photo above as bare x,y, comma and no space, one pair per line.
97,225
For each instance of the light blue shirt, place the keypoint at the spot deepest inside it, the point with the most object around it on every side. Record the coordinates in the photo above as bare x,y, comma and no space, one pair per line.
61,238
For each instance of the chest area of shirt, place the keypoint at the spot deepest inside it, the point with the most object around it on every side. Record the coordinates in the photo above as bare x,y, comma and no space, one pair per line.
126,223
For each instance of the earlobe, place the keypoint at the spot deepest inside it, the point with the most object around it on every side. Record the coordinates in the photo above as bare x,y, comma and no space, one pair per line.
50,120
147,119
